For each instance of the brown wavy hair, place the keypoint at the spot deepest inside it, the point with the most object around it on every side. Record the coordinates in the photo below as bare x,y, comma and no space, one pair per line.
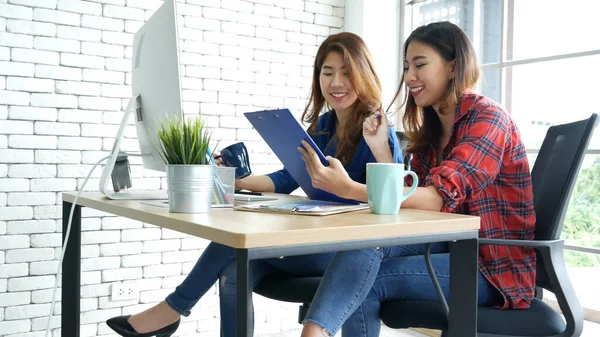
364,80
422,126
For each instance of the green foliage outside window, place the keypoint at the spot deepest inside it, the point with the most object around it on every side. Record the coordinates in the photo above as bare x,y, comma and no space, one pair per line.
582,222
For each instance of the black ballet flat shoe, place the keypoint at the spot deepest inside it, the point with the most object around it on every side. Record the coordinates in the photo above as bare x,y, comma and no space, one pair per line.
120,325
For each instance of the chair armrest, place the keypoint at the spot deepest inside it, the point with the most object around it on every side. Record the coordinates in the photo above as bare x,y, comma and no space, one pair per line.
552,257
521,243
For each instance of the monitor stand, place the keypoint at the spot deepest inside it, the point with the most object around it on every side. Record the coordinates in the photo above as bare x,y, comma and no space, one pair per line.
108,168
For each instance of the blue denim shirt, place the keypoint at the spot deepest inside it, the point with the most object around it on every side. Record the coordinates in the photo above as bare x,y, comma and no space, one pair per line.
357,168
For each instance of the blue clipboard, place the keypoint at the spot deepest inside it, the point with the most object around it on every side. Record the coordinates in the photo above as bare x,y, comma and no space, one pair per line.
282,132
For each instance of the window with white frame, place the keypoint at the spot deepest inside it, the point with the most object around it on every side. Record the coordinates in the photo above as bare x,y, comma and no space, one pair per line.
541,60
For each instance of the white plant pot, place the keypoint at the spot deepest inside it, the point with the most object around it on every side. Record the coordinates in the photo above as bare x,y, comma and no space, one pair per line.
190,188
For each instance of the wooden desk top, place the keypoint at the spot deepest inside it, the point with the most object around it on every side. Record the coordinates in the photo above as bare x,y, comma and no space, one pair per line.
242,229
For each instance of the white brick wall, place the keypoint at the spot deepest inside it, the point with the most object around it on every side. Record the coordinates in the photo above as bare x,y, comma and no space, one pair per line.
8,127
64,80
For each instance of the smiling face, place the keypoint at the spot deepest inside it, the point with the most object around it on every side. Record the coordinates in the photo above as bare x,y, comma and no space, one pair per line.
335,83
427,74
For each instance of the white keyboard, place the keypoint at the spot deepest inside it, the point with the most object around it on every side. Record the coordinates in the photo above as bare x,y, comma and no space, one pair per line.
139,195
162,195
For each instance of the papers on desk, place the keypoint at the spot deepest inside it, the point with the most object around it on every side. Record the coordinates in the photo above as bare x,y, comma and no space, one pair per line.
303,207
252,198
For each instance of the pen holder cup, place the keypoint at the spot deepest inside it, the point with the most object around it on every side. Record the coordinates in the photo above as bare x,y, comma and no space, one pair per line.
224,187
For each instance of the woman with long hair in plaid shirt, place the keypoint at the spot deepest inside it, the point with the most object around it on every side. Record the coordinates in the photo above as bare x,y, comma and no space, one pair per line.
470,159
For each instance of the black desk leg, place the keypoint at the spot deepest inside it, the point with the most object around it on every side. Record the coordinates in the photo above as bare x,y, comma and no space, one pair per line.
71,273
462,321
244,295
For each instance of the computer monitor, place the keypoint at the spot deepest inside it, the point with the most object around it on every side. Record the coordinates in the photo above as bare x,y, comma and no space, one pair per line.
156,95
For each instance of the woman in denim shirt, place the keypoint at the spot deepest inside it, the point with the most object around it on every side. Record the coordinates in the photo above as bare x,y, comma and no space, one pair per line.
345,83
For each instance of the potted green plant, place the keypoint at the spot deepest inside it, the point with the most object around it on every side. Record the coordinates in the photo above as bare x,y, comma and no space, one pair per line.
184,147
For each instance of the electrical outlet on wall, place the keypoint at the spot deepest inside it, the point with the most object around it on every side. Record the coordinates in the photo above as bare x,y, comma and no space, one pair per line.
121,292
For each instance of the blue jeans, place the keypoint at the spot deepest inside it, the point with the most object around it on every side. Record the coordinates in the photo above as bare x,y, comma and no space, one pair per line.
356,282
218,261
202,277
303,265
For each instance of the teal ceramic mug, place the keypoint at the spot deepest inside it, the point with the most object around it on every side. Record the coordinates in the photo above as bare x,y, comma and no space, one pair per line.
385,187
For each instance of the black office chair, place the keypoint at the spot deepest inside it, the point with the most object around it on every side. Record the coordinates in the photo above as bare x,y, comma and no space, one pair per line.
553,176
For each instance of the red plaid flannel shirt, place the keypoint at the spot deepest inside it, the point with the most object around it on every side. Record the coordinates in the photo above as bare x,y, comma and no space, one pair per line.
485,172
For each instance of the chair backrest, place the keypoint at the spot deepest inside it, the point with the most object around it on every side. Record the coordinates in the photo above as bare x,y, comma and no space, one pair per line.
403,145
554,174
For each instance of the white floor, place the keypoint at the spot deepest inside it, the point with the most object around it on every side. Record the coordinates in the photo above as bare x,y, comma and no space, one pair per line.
590,329
385,332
